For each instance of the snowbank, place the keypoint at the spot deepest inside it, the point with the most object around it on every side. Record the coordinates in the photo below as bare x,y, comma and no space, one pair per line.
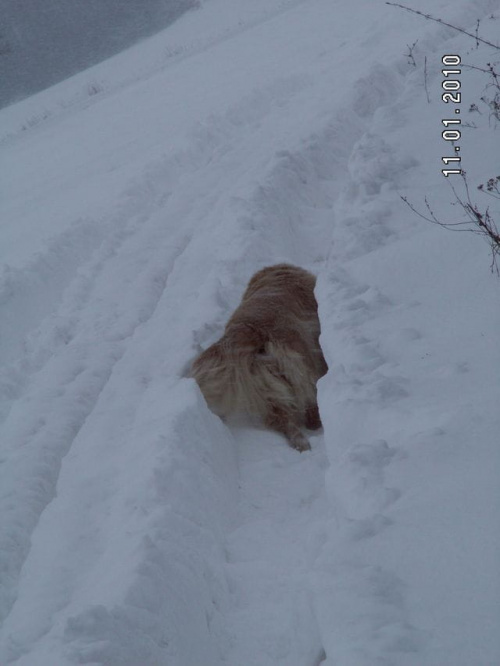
137,529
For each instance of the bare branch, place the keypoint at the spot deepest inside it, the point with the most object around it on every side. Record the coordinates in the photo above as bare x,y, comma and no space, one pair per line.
492,188
409,55
425,81
449,25
478,223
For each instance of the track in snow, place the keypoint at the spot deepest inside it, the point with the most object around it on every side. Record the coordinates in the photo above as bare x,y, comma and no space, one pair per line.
162,535
73,398
270,554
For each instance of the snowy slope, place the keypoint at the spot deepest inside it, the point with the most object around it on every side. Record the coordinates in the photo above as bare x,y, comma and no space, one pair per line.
136,528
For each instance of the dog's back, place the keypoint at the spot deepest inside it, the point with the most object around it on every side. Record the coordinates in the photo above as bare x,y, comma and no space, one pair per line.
268,361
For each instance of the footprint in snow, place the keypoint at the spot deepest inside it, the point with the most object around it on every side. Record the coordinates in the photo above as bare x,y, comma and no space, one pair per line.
360,484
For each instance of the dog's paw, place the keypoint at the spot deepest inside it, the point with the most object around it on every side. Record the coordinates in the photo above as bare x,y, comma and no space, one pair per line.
300,443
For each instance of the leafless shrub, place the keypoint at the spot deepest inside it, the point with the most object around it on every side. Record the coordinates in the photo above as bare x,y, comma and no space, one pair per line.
476,220
409,55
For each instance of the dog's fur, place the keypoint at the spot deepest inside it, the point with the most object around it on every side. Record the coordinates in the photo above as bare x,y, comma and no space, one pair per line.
268,361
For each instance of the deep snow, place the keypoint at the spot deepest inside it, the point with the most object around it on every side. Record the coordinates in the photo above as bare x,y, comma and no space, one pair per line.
136,528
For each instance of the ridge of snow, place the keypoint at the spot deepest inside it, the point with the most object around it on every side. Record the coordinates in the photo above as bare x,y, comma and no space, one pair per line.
137,529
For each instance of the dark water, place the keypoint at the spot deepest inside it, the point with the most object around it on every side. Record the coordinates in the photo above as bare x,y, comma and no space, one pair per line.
43,42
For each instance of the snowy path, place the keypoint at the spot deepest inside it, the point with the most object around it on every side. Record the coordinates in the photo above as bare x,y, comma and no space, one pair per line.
110,349
282,508
137,529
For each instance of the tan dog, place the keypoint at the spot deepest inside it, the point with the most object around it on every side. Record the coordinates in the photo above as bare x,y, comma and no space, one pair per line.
268,361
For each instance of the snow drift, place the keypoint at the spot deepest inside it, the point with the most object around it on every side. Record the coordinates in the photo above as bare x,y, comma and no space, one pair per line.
138,529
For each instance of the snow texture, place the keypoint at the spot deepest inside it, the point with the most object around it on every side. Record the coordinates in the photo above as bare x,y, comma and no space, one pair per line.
136,528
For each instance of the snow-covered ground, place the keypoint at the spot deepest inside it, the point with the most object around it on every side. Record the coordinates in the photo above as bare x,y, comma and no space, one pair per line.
136,529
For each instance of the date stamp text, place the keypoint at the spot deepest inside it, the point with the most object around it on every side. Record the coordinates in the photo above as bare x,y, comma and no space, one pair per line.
451,95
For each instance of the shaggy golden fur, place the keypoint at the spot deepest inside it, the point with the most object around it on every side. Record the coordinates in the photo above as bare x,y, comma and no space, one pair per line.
268,361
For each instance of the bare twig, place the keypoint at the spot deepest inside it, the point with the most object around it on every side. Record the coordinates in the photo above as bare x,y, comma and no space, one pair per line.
449,25
492,187
477,33
409,55
492,102
477,222
425,81
432,218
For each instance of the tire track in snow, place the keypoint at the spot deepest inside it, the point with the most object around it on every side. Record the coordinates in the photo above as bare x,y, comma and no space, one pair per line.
288,217
48,393
72,357
64,392
68,350
28,295
43,423
274,552
76,326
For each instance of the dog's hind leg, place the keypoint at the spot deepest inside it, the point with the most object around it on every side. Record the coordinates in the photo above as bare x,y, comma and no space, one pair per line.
312,418
283,420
